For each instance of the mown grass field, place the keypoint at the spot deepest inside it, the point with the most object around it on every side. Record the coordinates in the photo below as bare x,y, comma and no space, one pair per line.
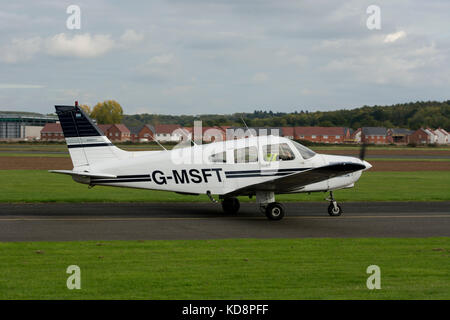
42,186
228,269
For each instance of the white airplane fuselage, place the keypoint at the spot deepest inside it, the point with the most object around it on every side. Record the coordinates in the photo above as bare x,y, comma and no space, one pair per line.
191,171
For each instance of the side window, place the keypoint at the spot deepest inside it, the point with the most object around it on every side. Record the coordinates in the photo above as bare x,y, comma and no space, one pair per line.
304,151
220,157
278,152
246,155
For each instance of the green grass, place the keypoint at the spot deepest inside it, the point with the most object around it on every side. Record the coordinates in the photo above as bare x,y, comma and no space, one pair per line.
41,186
228,269
35,154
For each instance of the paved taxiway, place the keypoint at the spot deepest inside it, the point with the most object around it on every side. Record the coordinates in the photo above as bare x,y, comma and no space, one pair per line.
141,221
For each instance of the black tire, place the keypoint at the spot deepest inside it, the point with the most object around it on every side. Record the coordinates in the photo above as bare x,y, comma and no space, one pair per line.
275,211
334,213
230,205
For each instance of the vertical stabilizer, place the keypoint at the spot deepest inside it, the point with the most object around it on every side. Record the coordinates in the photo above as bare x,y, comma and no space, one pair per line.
86,142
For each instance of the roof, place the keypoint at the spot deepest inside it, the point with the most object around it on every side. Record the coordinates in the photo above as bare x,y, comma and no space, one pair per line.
429,132
104,127
287,131
319,131
375,131
122,128
52,128
401,131
166,128
135,130
264,131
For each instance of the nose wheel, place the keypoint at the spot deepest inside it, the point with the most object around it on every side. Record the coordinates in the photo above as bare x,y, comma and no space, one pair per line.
274,211
334,209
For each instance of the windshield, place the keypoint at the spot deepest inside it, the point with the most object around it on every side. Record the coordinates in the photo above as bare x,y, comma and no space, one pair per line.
304,151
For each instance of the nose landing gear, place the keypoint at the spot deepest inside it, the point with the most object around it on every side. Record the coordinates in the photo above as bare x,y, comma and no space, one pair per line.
334,209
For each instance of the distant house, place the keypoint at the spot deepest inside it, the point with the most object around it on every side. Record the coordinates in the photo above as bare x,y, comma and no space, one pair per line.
398,135
421,136
432,135
143,133
216,133
322,134
147,133
115,132
52,132
244,132
356,135
104,128
442,136
288,132
134,133
375,135
168,132
119,132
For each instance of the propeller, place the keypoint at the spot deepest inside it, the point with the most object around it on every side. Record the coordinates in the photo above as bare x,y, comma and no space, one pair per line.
362,151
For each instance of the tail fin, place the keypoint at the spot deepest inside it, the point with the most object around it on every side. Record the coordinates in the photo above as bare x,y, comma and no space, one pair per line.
86,142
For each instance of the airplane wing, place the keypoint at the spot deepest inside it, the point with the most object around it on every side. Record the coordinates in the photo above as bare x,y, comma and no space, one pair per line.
300,179
83,174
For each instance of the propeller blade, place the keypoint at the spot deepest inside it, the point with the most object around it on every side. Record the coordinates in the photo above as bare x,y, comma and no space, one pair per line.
362,151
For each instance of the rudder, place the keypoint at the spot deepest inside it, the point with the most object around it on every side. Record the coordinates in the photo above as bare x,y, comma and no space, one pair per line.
86,143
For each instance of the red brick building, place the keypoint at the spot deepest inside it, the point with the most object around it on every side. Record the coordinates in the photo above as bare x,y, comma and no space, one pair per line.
421,136
288,132
167,132
118,132
115,132
398,135
322,134
143,133
52,132
374,135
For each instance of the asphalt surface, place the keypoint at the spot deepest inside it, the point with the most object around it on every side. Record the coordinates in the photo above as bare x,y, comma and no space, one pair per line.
142,221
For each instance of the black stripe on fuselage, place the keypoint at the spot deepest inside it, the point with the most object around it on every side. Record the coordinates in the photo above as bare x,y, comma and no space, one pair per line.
120,180
262,173
71,146
124,178
268,170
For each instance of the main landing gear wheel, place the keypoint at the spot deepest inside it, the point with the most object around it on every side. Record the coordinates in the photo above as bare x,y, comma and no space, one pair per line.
274,211
230,205
334,211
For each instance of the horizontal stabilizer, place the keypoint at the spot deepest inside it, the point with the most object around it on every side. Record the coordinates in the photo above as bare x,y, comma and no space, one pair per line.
83,174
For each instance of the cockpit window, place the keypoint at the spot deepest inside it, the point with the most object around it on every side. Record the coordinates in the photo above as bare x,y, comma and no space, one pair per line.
278,152
305,152
220,157
246,155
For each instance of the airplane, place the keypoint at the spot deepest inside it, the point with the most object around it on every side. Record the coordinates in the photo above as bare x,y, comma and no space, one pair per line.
254,166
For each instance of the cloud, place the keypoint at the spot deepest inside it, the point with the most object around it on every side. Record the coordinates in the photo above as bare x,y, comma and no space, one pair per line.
392,37
82,45
260,77
130,36
177,90
62,45
163,59
20,86
20,50
159,67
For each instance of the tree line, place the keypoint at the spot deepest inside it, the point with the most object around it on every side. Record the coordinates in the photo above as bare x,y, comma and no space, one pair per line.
412,115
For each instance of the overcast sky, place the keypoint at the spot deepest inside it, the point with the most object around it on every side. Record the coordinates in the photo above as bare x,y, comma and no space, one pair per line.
223,56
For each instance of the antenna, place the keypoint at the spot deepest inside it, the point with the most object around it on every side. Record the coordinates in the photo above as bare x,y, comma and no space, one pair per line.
153,137
248,130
